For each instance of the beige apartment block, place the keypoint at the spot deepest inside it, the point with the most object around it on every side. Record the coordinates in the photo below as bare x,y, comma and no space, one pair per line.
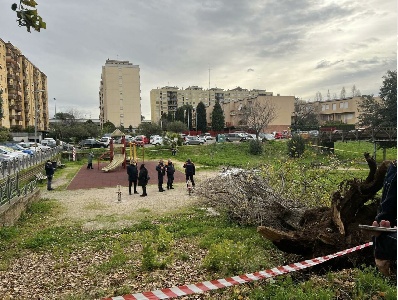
234,117
5,121
168,99
345,110
25,91
119,94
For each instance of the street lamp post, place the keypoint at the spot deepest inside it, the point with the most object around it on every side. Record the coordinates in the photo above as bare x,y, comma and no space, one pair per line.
55,108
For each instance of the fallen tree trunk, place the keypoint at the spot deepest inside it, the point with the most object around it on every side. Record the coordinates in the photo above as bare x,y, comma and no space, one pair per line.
325,230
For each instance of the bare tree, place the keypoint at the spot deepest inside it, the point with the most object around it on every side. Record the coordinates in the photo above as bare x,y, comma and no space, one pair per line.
342,93
318,96
258,114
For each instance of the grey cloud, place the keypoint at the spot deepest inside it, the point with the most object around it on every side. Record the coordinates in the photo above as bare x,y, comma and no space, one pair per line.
327,64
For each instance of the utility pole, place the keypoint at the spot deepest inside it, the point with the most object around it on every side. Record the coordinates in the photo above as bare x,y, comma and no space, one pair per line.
209,86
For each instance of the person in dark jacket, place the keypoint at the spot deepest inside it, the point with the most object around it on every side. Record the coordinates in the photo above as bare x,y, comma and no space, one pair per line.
385,244
132,172
49,168
90,160
189,171
170,174
143,179
160,168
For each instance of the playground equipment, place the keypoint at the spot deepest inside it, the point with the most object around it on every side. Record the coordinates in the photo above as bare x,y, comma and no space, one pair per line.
118,155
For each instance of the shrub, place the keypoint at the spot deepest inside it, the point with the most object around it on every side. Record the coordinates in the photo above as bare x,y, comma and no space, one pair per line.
296,146
255,147
227,256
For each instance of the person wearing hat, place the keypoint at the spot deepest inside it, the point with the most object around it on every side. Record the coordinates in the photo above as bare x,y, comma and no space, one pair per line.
143,179
189,171
132,173
170,174
161,171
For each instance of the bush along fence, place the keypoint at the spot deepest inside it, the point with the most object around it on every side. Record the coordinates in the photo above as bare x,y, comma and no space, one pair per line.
23,175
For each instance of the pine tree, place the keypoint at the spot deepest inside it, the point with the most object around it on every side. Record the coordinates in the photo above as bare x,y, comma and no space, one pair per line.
217,117
201,117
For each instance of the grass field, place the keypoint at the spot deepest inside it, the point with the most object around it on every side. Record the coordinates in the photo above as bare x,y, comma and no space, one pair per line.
189,246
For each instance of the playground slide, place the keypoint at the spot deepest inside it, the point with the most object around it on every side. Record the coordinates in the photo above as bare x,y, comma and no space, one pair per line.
117,161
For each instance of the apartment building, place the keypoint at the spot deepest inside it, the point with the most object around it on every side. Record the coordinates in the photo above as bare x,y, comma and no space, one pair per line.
345,110
168,99
25,100
234,117
119,94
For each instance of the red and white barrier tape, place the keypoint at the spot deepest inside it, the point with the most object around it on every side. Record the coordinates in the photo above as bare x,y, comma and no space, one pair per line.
227,282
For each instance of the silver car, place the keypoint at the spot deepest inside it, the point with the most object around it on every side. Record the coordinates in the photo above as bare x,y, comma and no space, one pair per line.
193,140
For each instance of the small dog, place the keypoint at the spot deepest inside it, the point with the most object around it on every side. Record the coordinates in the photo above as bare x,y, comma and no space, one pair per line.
189,187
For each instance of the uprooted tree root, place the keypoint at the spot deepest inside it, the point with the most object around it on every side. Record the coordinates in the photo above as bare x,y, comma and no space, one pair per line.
291,226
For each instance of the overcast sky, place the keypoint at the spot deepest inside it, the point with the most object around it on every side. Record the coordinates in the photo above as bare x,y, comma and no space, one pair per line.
288,47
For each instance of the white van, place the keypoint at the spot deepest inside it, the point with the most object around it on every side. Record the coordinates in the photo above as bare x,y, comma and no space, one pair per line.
105,140
157,140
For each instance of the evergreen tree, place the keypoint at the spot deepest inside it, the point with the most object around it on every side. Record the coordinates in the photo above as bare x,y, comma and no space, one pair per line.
381,113
217,117
388,94
201,117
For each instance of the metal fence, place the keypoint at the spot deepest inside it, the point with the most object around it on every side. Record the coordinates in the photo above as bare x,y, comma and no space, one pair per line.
13,184
13,166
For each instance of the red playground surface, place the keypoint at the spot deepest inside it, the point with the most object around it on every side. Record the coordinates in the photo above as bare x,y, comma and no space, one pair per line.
96,178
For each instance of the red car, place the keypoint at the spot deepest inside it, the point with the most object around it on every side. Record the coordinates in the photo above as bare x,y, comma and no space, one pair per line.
142,138
139,141
279,136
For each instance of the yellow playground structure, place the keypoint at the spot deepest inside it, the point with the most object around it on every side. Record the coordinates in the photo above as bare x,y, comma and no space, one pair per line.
119,156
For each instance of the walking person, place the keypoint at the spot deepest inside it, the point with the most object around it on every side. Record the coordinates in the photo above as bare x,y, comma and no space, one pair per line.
189,171
132,172
90,160
143,179
170,174
160,168
49,168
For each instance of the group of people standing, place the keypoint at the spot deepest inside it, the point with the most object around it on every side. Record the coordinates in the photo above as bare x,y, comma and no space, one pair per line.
137,177
140,177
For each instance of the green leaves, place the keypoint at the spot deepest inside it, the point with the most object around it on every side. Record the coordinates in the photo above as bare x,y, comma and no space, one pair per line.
28,16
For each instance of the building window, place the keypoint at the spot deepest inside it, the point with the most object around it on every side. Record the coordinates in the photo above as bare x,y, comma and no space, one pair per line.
341,105
345,104
334,106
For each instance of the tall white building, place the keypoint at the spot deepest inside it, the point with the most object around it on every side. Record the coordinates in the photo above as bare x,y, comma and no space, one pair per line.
119,94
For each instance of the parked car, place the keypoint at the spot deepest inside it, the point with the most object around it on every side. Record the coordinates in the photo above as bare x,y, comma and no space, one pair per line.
91,143
152,137
10,152
279,135
142,138
235,137
17,147
139,141
193,140
157,140
267,136
49,142
106,140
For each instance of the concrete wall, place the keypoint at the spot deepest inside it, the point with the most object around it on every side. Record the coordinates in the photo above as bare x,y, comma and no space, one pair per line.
10,213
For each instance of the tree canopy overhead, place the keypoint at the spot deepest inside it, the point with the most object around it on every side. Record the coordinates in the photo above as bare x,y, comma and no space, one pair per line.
28,16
